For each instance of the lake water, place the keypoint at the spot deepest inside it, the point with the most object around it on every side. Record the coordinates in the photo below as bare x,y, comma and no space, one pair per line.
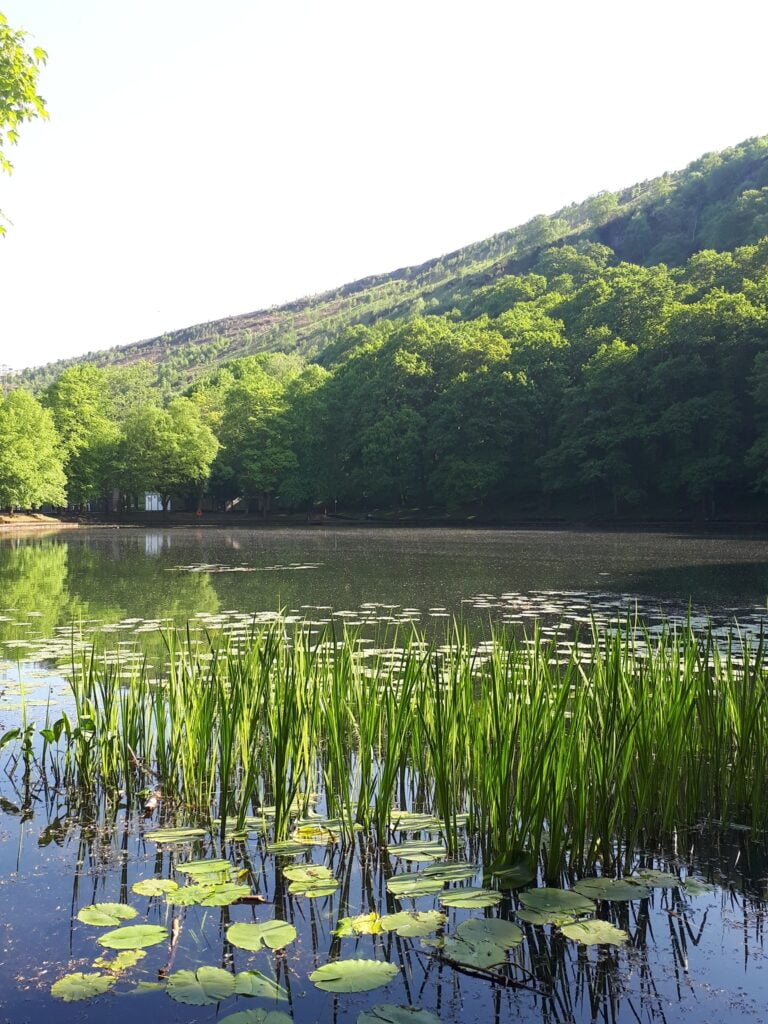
694,958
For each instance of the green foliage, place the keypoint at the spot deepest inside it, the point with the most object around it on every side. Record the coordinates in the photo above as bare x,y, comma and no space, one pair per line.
19,99
31,463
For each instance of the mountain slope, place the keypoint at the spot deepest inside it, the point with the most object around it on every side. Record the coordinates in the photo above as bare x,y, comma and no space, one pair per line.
718,202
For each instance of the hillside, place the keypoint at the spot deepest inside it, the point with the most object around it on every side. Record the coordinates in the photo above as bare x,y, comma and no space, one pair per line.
719,201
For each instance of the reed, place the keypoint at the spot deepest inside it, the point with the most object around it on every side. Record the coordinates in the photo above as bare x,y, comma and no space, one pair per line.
577,755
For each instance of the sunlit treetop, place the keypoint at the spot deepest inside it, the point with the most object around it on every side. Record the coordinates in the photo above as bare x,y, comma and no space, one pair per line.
19,99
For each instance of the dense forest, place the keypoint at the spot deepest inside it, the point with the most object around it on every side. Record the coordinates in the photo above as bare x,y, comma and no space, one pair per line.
612,357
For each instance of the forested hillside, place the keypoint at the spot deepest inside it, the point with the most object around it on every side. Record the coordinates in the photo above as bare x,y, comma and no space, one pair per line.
612,357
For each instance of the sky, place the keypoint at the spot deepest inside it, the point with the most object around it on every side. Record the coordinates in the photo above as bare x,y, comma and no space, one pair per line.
203,160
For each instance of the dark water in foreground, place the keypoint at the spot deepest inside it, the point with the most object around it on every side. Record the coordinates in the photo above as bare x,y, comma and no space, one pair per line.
693,958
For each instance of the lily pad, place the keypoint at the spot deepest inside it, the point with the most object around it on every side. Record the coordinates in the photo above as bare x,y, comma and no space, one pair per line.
363,924
515,868
106,914
413,924
696,887
353,975
470,897
288,848
558,901
253,983
134,936
419,852
594,932
413,885
211,869
224,894
411,821
188,895
201,987
491,929
618,889
386,1013
450,872
257,1017
274,934
74,987
121,962
310,880
543,917
154,886
658,879
480,953
315,835
174,835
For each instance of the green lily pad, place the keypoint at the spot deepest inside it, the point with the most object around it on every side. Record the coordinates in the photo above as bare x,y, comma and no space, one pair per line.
208,870
201,987
450,872
74,987
543,917
253,983
174,835
154,886
224,894
658,879
594,932
515,868
618,889
414,850
363,924
257,1017
558,901
353,975
696,887
288,848
491,929
411,821
188,895
106,914
470,897
386,1013
134,936
480,953
413,924
310,880
274,934
413,885
121,962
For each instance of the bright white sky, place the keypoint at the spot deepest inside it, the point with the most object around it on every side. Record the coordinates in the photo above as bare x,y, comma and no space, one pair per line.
207,159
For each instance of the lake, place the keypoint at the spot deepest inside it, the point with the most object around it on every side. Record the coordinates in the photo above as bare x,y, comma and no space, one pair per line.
693,954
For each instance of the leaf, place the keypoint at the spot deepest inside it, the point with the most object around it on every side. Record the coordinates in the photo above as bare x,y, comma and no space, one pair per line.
412,821
135,936
386,1013
106,914
310,880
174,835
594,932
658,879
482,953
470,897
206,870
515,868
617,889
74,987
696,887
558,901
257,1017
154,886
188,895
288,848
413,924
224,894
491,929
363,924
353,975
413,885
420,852
543,917
450,872
274,934
253,983
201,987
121,962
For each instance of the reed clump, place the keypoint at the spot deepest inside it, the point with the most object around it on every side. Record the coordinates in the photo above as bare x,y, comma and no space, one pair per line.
577,753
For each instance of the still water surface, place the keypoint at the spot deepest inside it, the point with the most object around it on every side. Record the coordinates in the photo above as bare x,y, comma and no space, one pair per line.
690,958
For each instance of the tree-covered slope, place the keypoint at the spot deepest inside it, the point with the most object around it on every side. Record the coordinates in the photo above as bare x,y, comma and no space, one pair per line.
718,202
